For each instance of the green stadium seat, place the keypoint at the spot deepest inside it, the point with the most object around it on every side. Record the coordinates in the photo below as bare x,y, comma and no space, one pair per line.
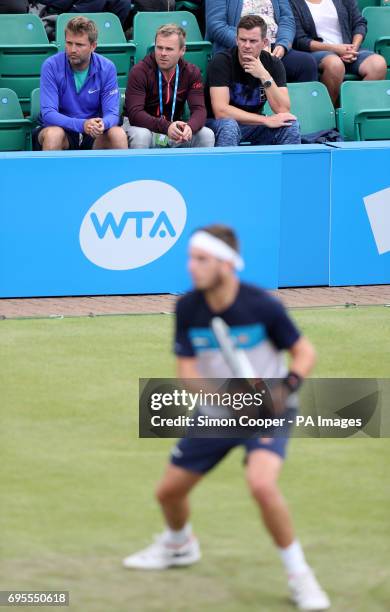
364,112
24,46
111,41
15,130
35,107
311,104
363,3
198,51
378,32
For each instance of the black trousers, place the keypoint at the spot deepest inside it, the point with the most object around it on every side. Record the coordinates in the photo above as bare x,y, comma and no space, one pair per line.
14,6
119,7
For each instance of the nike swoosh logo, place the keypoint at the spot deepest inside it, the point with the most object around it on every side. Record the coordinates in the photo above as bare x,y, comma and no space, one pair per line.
91,91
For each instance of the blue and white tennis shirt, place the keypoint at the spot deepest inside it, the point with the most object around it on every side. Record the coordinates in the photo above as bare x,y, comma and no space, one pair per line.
258,323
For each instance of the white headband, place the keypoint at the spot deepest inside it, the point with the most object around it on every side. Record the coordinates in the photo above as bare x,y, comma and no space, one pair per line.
216,247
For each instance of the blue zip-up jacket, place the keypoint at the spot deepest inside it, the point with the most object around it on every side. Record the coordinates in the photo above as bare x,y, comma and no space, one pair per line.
222,17
350,19
62,106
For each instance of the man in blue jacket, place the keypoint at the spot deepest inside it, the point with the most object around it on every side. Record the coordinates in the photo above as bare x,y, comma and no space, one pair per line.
222,17
79,95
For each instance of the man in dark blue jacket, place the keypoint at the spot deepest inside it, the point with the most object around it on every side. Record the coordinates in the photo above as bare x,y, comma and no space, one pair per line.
79,95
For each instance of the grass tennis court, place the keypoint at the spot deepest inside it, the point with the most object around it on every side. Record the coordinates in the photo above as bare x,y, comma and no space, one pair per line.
77,483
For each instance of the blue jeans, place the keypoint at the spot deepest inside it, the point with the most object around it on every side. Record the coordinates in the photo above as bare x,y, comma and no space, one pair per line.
229,133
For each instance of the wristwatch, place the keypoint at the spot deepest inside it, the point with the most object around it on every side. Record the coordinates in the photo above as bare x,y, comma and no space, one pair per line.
292,381
267,82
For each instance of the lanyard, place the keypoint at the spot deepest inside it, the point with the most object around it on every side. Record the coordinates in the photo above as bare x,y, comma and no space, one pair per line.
174,92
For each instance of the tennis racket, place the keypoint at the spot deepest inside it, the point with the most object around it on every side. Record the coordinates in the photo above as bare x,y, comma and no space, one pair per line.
235,358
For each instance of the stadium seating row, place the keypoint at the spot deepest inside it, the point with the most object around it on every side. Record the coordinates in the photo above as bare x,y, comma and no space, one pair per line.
24,45
364,112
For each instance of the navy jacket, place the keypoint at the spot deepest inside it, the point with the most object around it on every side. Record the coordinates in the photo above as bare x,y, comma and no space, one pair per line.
350,19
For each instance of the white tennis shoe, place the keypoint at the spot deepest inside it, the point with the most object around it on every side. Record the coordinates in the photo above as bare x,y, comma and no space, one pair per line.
306,593
162,555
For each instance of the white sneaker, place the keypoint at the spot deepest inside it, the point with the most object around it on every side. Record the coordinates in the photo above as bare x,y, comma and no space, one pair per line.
162,554
306,593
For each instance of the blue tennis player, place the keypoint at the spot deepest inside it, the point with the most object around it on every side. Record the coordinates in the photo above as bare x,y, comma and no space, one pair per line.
260,323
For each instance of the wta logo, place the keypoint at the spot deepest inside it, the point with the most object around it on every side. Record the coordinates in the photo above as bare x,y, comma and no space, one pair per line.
133,225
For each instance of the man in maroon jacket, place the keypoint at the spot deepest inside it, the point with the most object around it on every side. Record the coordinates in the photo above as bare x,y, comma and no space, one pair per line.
157,90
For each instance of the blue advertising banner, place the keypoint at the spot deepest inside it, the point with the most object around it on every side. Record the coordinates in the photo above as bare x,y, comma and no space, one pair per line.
119,222
305,217
360,219
95,223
